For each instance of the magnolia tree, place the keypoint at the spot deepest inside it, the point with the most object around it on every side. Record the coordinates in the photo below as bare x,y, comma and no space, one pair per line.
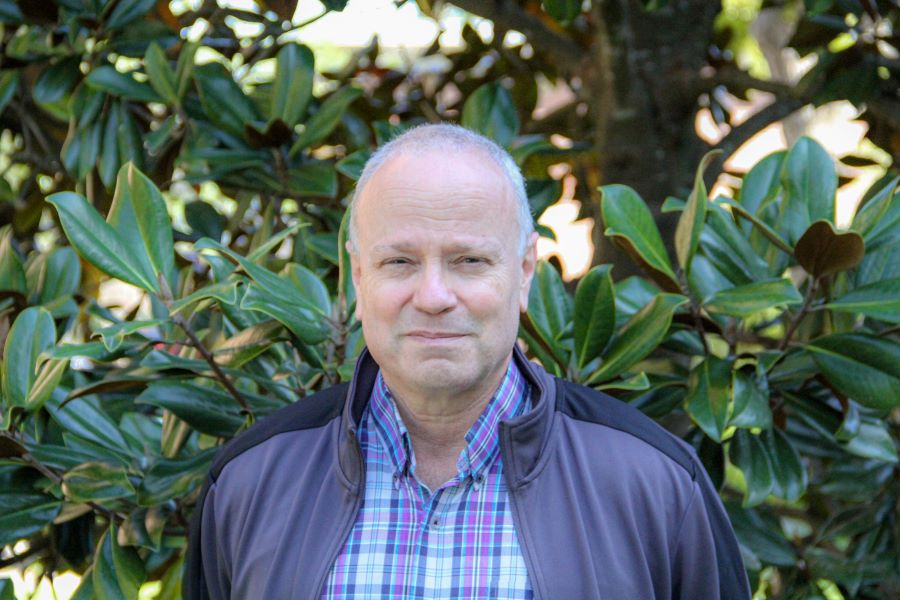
210,178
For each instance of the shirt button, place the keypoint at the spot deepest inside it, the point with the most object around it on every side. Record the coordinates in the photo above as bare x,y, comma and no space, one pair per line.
435,522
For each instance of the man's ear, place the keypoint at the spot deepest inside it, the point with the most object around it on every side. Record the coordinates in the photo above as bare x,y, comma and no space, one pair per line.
355,276
529,262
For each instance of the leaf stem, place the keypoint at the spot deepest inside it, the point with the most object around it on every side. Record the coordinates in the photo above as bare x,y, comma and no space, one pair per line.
804,310
211,361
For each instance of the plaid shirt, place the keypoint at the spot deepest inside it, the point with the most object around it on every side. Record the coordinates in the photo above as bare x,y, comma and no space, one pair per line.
457,542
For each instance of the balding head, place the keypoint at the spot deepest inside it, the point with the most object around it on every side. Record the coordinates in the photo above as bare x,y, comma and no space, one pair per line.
448,139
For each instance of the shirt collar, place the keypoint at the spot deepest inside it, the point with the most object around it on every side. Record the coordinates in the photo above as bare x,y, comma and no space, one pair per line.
511,399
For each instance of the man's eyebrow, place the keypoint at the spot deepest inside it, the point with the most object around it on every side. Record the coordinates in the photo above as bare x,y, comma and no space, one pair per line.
458,247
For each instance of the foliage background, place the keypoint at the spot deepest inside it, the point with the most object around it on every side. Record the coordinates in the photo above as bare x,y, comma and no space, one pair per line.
147,147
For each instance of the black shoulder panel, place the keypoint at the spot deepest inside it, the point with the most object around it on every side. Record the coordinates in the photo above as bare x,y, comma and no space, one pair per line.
584,404
307,413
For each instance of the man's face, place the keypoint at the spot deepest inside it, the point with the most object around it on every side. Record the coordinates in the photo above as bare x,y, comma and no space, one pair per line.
439,280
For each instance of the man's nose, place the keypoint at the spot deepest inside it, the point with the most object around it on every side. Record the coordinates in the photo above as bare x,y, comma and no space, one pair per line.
433,295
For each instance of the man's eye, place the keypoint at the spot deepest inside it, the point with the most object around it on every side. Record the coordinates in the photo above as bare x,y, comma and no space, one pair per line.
471,260
397,261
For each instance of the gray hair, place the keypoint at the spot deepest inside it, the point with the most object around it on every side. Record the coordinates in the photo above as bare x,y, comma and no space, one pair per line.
447,137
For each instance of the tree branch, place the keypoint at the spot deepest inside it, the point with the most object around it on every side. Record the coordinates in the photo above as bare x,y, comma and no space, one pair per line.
564,52
738,135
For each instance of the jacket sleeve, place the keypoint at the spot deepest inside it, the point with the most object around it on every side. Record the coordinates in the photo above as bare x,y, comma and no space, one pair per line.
206,572
707,559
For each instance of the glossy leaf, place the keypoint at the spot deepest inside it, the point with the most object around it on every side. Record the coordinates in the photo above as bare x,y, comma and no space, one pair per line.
323,122
549,306
750,397
32,333
224,103
126,11
85,418
563,10
160,73
864,367
139,215
873,441
749,453
107,79
170,478
640,336
708,399
810,183
97,481
788,472
206,409
761,184
595,313
118,571
745,300
630,224
690,223
822,250
490,110
98,242
293,84
12,271
879,300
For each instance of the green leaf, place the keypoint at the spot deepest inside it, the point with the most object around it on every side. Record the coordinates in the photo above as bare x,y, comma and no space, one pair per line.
32,333
139,216
822,250
490,111
313,179
184,68
549,306
106,78
326,118
709,395
114,335
769,233
789,473
640,336
630,224
108,164
85,418
98,243
303,323
690,223
745,300
56,81
595,313
173,478
727,245
810,181
97,481
127,11
118,571
352,165
749,453
204,408
562,10
160,73
761,184
12,271
23,510
225,292
750,395
879,216
224,103
9,83
310,287
292,88
873,441
879,300
864,367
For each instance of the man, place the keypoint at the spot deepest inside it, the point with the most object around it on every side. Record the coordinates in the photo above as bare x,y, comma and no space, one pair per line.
451,467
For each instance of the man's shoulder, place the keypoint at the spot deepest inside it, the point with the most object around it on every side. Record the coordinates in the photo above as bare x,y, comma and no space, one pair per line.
311,412
587,405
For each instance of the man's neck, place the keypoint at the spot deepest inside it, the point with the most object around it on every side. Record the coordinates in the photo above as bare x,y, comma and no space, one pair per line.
437,428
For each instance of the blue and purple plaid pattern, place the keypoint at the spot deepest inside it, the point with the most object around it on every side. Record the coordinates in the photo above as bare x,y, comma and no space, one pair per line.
457,542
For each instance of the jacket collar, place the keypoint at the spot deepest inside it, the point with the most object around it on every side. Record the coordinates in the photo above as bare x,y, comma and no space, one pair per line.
522,439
